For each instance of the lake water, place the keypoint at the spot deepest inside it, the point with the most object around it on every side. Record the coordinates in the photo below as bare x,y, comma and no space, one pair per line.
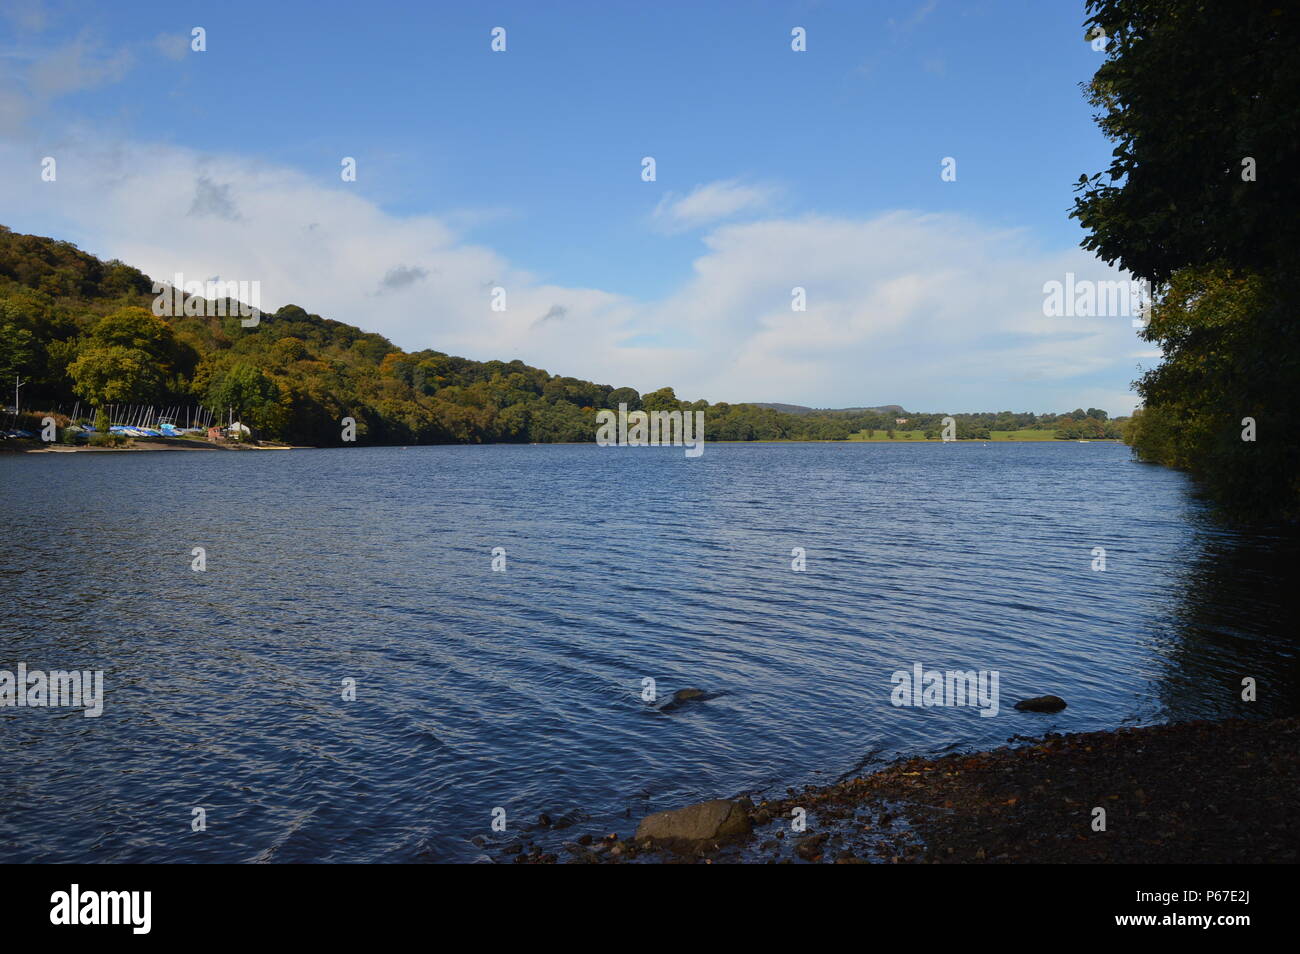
523,689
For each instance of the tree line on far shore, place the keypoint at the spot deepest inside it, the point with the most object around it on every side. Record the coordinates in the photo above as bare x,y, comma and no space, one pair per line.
79,329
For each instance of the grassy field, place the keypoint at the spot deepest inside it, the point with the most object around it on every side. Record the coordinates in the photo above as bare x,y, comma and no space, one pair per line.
1024,435
919,436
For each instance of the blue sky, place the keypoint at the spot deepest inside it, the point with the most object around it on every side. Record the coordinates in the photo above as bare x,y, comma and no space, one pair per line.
522,170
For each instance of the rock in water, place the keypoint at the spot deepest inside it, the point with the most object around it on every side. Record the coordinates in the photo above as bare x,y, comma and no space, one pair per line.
1041,704
811,847
714,820
682,696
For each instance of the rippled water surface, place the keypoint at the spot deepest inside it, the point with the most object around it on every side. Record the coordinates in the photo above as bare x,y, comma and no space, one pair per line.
523,689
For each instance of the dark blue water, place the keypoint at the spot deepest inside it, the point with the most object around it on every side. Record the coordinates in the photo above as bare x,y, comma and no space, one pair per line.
522,689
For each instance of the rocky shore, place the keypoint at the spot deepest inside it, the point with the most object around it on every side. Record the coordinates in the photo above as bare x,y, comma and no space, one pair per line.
1196,792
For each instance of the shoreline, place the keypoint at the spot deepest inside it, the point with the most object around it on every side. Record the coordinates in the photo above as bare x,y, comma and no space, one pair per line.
137,445
1189,792
25,446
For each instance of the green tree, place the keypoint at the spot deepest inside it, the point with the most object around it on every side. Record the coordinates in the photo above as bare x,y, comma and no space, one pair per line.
112,374
628,396
665,399
1201,100
1188,91
15,349
251,395
137,328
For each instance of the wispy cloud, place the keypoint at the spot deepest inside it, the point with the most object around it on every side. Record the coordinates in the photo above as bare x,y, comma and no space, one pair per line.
915,18
711,203
174,46
81,64
33,76
26,14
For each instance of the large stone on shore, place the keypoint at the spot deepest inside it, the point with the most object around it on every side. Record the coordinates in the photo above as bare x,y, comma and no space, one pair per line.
715,820
1041,704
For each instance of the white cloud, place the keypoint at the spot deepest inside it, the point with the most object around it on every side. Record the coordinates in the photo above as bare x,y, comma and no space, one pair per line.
307,241
710,203
75,66
929,311
32,77
935,312
174,46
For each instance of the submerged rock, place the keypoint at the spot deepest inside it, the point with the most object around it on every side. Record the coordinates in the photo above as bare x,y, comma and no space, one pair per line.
811,847
1041,704
683,696
714,820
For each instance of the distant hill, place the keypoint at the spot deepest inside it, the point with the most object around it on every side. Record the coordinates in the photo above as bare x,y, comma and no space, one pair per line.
80,333
801,409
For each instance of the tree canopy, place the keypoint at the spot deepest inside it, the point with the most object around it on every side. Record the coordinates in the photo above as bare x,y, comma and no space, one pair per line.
1203,103
1189,92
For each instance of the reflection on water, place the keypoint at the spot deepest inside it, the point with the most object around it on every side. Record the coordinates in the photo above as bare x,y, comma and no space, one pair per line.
522,689
1237,604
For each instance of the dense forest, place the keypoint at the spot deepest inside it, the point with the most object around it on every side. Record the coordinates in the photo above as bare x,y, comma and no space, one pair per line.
1203,103
75,328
